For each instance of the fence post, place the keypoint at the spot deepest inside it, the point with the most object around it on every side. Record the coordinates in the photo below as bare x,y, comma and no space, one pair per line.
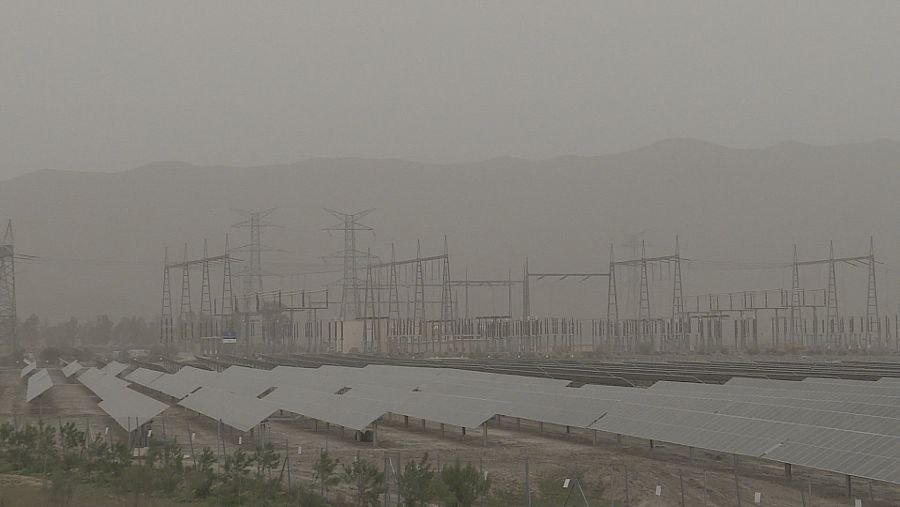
737,482
627,498
705,491
527,485
191,440
287,456
387,482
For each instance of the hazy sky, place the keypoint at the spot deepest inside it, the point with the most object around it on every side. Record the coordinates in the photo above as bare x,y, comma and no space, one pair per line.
109,85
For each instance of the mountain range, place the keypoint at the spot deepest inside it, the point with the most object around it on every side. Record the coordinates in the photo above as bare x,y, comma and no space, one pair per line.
100,238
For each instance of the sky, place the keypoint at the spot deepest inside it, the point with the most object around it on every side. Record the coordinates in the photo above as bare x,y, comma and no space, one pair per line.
111,85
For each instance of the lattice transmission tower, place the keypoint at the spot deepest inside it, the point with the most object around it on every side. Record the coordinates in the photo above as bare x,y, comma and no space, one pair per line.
796,318
679,317
832,318
644,303
350,255
166,319
252,273
8,290
612,297
186,313
873,323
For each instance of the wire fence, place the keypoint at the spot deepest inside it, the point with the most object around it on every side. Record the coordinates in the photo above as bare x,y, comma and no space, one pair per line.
528,480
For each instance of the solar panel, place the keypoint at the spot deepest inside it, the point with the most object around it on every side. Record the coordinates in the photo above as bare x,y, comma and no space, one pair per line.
453,410
29,367
128,408
830,395
71,369
240,412
556,405
143,376
868,466
871,388
131,413
185,381
114,368
38,384
849,427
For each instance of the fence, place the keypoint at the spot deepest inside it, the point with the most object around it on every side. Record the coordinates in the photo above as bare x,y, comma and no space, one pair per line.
594,476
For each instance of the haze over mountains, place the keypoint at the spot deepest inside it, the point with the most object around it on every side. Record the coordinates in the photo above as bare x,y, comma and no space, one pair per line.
101,236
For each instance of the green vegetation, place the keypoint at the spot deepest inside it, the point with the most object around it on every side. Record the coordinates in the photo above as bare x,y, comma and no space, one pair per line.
70,469
367,482
69,462
417,483
462,485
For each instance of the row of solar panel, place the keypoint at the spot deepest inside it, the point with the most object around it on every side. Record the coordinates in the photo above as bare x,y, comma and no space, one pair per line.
826,424
848,427
128,408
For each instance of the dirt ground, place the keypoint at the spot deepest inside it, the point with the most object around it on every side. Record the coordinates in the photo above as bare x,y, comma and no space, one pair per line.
550,456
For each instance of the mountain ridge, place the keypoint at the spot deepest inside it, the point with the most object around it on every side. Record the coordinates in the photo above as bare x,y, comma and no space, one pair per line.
562,212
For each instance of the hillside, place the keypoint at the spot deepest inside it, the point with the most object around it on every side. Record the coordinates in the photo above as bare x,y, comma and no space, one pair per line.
101,236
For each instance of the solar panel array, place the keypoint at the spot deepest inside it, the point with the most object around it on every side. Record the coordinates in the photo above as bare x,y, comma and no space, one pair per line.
845,426
130,409
356,398
38,384
840,426
620,373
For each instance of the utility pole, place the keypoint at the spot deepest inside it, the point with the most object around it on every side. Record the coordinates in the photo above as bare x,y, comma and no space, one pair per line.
349,224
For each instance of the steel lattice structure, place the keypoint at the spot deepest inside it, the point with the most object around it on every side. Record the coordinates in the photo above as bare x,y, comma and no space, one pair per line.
8,290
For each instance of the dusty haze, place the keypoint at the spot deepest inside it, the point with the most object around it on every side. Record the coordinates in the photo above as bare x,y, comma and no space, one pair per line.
516,128
109,85
102,235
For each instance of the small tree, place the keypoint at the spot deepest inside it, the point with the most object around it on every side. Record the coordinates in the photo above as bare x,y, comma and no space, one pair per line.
236,469
169,455
325,471
416,483
266,460
45,445
21,448
464,484
70,440
203,476
367,481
